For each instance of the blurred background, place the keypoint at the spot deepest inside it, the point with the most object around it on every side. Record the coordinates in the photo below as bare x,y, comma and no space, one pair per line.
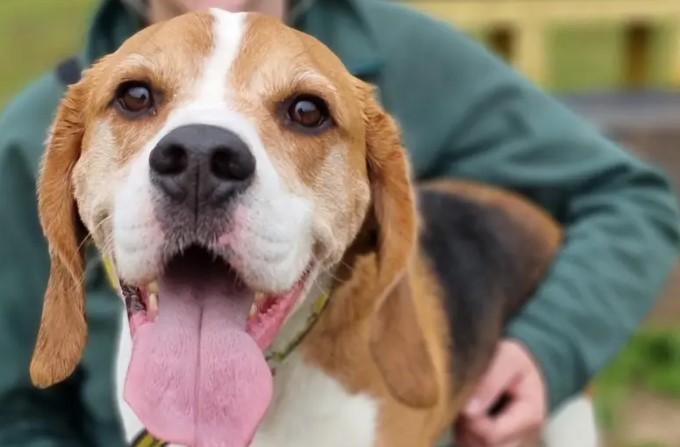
617,62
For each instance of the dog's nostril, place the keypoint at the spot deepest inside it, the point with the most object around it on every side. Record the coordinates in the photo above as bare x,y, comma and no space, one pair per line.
169,160
231,164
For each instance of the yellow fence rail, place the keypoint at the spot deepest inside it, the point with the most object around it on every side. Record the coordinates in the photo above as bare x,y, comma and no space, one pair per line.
518,27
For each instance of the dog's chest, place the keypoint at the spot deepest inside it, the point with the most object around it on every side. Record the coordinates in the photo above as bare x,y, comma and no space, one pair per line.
312,409
309,408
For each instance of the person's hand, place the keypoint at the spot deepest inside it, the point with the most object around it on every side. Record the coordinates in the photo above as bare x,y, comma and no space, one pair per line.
508,408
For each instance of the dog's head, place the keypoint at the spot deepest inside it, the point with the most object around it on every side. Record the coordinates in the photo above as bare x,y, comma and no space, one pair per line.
222,161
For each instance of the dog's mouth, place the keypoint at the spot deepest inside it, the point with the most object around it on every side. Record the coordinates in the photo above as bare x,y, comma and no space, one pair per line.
197,375
267,313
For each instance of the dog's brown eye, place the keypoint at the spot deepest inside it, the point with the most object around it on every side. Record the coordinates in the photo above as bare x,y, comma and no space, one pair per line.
134,97
308,111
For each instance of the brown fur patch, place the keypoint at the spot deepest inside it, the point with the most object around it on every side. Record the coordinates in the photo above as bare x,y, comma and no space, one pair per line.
63,330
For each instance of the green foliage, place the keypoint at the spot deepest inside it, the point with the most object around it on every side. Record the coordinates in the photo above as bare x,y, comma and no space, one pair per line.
589,58
35,35
651,362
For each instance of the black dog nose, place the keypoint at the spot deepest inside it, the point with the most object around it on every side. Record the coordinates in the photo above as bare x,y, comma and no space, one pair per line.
201,164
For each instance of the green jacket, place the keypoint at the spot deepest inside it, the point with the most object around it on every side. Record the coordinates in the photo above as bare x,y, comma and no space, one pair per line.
464,114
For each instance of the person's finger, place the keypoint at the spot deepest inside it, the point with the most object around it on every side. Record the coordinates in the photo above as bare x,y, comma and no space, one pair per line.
487,422
512,444
514,425
464,435
494,383
468,439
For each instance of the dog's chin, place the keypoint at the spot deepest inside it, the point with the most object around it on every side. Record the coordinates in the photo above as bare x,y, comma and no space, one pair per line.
194,269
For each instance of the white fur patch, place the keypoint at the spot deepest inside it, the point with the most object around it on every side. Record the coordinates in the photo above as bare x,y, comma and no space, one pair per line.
312,409
229,28
137,236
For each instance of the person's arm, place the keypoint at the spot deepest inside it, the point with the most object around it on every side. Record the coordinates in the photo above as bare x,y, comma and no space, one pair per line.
63,415
619,215
29,416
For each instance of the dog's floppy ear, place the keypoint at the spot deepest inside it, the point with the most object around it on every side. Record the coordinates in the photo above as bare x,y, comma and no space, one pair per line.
63,329
397,341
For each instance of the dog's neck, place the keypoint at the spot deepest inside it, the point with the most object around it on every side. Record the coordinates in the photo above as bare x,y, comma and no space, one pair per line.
360,256
301,320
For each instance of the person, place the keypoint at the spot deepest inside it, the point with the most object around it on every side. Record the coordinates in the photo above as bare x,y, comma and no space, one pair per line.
463,113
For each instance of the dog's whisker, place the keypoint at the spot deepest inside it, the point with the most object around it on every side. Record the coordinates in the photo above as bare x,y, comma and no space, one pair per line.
88,237
325,270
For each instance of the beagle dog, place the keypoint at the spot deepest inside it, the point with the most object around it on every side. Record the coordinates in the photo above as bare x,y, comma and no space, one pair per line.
285,284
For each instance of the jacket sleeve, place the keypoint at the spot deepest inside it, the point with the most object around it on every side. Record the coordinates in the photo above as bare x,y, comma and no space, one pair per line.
619,215
61,415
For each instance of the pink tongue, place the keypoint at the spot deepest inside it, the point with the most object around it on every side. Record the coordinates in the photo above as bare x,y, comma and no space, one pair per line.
196,377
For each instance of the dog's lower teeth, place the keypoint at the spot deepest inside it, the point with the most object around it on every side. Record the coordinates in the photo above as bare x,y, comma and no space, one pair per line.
253,310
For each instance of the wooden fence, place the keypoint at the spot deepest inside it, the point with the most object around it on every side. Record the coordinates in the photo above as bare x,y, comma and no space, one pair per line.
517,28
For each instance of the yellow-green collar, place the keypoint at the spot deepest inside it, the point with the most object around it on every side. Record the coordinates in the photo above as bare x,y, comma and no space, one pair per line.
276,358
146,439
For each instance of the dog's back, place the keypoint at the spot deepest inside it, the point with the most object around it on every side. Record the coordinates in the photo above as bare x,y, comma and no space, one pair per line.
488,250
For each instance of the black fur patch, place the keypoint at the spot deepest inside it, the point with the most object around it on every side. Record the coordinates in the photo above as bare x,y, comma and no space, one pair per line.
473,250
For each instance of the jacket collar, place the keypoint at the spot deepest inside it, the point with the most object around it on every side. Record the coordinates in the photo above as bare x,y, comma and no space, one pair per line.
343,25
112,24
